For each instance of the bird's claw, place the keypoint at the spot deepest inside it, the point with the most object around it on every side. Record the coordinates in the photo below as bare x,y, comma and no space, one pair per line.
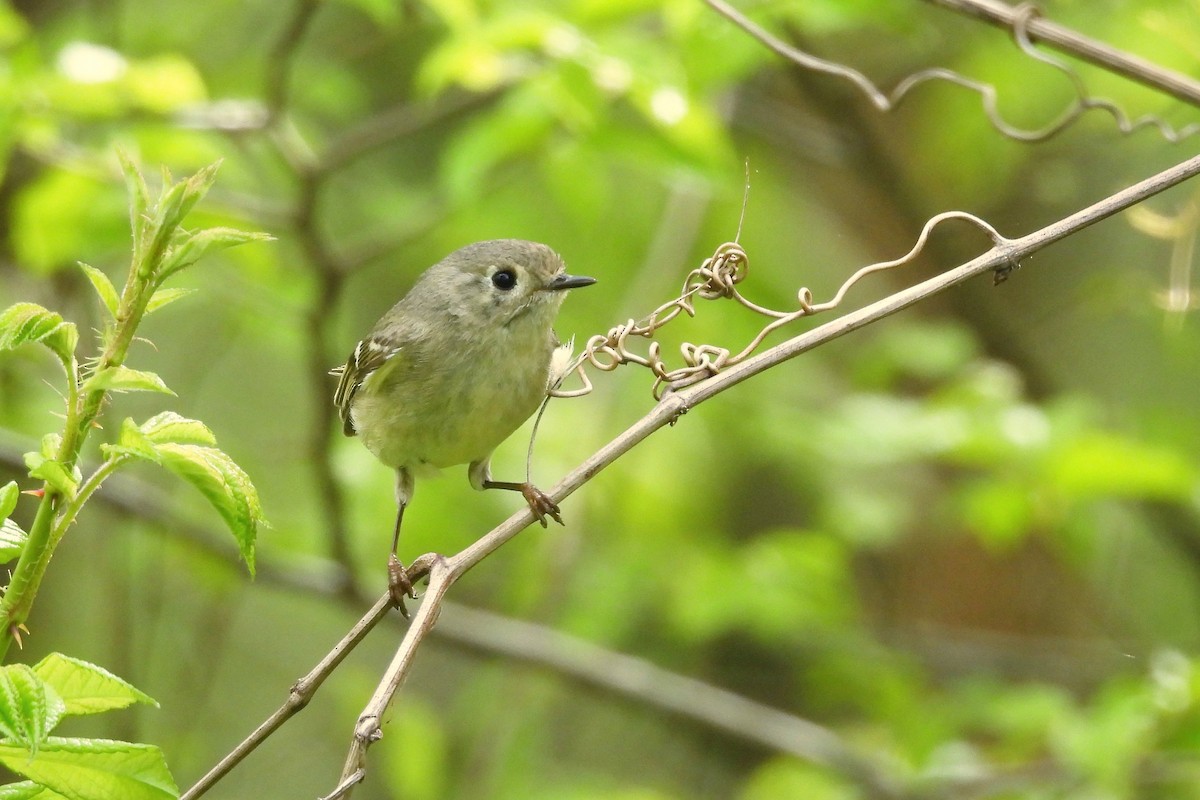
541,505
399,585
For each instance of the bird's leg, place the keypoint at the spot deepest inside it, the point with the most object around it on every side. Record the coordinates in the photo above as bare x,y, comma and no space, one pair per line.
480,474
539,502
399,585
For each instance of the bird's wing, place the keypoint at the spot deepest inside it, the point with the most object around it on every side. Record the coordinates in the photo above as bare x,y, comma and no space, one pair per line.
369,355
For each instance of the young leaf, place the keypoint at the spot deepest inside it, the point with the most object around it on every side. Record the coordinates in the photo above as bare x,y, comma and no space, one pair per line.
225,485
29,708
131,442
124,379
170,427
94,769
29,322
195,246
195,188
104,288
86,688
139,199
164,296
9,493
60,479
12,540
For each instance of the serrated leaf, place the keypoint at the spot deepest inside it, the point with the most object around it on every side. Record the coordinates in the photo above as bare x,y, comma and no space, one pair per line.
139,197
124,379
50,444
29,707
227,487
57,476
130,442
29,322
9,493
171,427
95,769
87,688
28,790
195,246
196,187
12,540
104,288
164,296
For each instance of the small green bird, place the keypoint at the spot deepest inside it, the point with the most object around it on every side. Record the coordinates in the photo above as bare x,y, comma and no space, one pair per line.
455,367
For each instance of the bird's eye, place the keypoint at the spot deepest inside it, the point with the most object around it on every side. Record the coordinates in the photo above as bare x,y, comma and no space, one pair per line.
504,279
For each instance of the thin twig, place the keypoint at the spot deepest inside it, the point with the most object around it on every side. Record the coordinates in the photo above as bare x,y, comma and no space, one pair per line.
1082,47
298,697
395,123
279,62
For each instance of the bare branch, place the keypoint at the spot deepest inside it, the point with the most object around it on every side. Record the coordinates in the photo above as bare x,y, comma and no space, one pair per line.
1076,44
298,697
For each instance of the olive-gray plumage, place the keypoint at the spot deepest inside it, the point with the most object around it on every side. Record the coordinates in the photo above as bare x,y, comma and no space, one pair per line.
458,364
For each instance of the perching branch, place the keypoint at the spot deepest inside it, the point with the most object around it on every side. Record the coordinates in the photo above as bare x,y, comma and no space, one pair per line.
442,571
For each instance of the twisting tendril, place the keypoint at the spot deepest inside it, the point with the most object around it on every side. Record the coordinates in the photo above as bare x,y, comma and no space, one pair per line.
718,279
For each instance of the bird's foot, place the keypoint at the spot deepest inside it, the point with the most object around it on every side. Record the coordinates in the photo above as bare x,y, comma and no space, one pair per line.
400,586
540,504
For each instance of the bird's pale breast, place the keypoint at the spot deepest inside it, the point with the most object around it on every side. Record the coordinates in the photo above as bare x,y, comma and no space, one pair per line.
429,411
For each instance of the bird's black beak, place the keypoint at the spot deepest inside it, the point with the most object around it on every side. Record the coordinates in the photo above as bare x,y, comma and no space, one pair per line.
565,281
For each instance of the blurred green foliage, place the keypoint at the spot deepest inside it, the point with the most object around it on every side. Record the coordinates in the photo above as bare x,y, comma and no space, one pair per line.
965,540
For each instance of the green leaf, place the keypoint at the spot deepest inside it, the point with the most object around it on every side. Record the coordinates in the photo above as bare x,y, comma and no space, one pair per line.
29,322
195,246
184,446
171,427
95,769
225,485
28,790
139,199
12,540
86,688
131,442
164,296
9,493
29,707
124,379
52,471
180,198
104,288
